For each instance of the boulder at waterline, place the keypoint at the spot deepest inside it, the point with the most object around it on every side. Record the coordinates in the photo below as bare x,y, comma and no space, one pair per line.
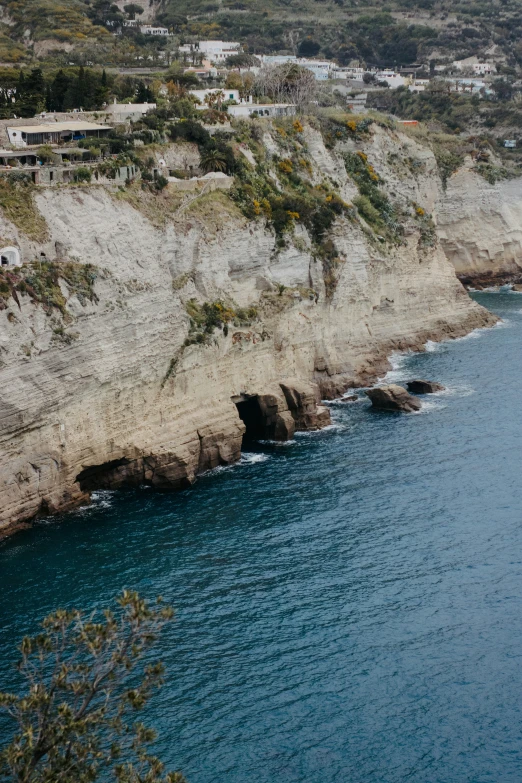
424,387
393,398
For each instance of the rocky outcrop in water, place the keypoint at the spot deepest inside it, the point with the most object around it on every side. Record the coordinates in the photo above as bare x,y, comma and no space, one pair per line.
393,398
424,387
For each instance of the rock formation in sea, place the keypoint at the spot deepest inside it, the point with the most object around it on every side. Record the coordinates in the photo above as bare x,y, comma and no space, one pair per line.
419,386
393,398
196,325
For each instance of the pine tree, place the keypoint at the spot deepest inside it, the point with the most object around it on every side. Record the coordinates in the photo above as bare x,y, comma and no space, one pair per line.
30,93
59,88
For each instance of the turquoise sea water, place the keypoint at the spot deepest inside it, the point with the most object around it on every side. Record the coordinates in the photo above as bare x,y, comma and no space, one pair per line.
348,605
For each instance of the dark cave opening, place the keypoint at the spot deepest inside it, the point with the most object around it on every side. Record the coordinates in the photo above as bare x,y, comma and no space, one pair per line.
105,476
252,416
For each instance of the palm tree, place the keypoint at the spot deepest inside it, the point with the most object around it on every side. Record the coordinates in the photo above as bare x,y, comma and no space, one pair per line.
219,97
214,160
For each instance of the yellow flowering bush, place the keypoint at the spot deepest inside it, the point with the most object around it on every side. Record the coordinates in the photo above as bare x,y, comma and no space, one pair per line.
286,166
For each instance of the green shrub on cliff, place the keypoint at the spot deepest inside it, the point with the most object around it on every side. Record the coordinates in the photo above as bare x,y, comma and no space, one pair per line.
206,317
82,174
18,206
41,283
372,203
87,677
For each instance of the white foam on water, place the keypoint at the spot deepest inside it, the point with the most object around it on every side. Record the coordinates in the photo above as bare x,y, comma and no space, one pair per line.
432,347
397,372
429,407
285,443
252,459
474,335
102,498
335,427
457,390
246,459
341,401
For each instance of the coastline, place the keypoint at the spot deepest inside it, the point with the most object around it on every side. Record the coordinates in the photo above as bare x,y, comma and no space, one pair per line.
330,389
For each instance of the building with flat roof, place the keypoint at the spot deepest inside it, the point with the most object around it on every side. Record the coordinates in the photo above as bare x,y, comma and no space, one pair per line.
149,29
321,69
54,132
215,51
262,110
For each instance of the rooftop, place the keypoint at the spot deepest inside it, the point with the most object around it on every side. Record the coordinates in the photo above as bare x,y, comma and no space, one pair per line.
56,127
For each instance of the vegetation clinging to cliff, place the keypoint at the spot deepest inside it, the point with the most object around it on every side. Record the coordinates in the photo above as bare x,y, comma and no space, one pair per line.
208,316
41,283
18,205
372,203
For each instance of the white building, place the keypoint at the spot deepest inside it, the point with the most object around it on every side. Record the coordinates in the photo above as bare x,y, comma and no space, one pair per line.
10,256
224,95
468,62
148,29
124,112
321,69
483,69
54,132
392,78
418,85
355,74
262,110
215,51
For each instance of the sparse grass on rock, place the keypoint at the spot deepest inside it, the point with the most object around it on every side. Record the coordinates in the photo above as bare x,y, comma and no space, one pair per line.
19,207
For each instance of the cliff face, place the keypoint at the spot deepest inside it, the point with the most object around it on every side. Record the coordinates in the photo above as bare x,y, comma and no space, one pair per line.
108,391
480,228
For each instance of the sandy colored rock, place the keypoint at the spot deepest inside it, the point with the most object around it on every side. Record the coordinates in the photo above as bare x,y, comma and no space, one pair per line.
393,398
480,228
113,395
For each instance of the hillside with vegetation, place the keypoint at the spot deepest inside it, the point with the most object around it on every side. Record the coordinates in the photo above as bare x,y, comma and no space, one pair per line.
379,33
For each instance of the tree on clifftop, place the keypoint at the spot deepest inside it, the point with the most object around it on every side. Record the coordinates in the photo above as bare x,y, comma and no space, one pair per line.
77,721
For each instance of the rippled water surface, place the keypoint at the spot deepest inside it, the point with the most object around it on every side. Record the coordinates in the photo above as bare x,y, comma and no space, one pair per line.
348,605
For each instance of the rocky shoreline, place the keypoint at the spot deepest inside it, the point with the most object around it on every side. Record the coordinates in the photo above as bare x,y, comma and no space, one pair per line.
284,408
122,381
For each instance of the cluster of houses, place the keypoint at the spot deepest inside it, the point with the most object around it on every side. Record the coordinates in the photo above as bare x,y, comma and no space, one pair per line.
468,75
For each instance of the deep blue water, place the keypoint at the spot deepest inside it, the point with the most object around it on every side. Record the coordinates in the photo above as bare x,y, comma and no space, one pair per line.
348,606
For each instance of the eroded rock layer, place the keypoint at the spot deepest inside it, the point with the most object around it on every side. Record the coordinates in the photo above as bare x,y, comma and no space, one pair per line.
120,388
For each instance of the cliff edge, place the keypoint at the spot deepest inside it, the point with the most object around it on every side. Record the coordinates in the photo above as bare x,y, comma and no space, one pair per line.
147,334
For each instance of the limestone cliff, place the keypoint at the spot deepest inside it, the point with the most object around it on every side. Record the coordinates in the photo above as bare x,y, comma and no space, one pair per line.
480,227
119,386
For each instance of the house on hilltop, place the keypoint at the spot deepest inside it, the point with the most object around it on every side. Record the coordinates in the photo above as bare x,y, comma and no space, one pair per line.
54,132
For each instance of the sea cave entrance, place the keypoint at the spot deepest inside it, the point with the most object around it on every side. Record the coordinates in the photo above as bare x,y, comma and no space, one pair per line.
110,475
252,416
